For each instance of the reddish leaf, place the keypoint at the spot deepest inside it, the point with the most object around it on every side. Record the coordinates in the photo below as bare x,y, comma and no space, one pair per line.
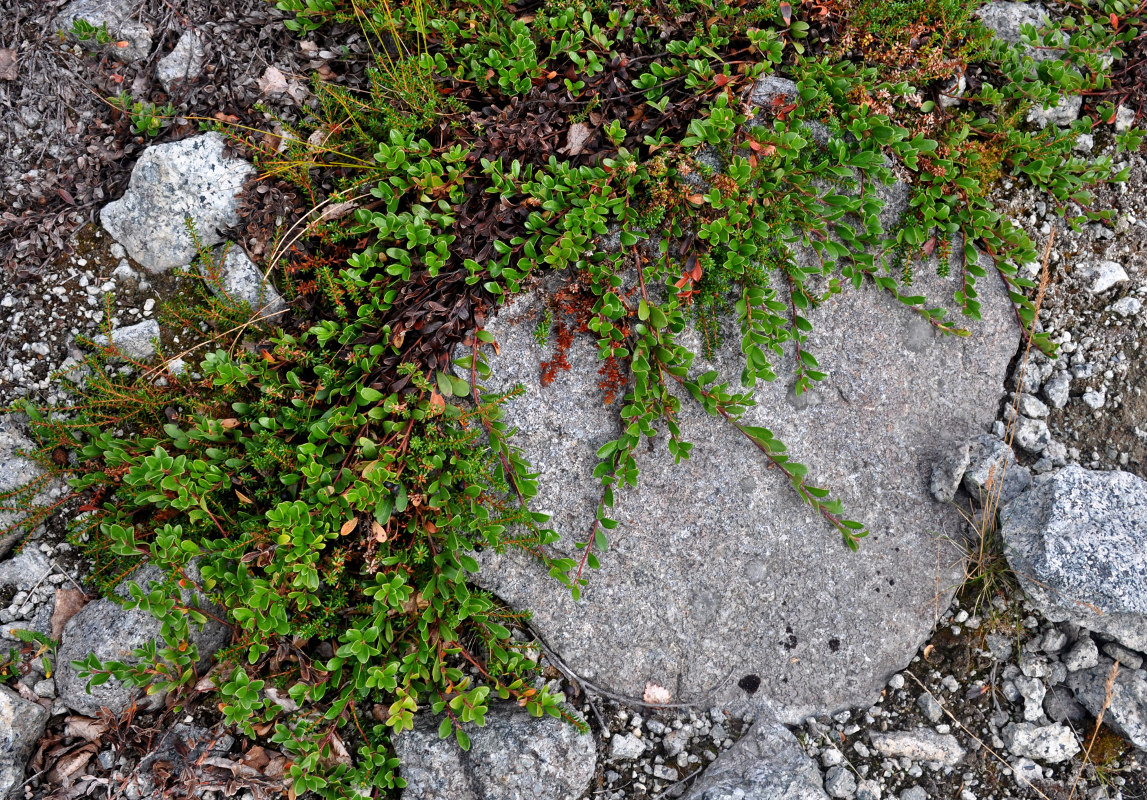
929,246
787,13
1114,19
721,79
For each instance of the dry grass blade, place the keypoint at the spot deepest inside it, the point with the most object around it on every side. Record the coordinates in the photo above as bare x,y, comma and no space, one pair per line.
1108,687
987,566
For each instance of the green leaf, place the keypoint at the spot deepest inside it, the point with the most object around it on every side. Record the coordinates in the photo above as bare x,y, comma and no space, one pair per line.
445,385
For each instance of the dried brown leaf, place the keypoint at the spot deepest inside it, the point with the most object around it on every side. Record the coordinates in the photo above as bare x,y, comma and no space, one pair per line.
70,765
656,694
256,758
84,728
577,139
272,82
68,604
7,64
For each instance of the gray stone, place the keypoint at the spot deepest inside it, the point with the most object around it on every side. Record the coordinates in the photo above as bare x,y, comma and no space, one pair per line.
135,341
914,793
1049,743
170,182
999,647
1127,306
1006,20
868,789
1124,656
1032,690
771,90
1024,770
1104,275
25,570
184,63
30,611
1053,640
118,16
1032,406
948,472
767,763
1126,712
16,471
112,632
22,723
676,741
1032,434
514,757
1033,664
930,707
1083,654
45,688
1063,113
1094,400
1060,705
1058,389
1078,543
721,575
839,782
242,280
626,747
1124,118
921,744
993,473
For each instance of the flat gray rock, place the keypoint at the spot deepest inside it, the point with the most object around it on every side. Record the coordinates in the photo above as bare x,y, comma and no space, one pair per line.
771,90
136,341
22,724
1006,20
948,472
718,577
993,477
1048,743
242,280
1078,543
170,182
1126,712
16,471
118,15
183,63
767,763
514,757
112,632
922,744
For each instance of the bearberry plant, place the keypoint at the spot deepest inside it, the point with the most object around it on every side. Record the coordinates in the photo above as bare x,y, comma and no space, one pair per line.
323,485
